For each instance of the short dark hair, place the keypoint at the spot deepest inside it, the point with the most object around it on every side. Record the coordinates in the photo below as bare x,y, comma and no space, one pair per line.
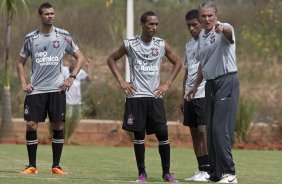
208,4
143,18
42,6
192,14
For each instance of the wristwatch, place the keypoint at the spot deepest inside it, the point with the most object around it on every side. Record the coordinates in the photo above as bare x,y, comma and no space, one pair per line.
72,76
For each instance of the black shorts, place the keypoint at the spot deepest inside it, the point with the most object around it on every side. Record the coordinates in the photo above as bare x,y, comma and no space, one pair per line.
144,114
37,106
194,112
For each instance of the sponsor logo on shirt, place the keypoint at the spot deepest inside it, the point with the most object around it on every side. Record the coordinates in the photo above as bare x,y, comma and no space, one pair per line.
42,58
146,69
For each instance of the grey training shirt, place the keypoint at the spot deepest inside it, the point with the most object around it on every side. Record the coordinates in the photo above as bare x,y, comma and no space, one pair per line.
144,62
46,52
216,53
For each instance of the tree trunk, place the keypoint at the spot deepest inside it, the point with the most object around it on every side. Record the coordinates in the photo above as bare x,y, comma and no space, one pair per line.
7,128
7,132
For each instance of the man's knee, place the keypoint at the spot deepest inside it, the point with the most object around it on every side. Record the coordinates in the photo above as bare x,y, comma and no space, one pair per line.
194,131
202,129
31,126
139,135
162,135
57,125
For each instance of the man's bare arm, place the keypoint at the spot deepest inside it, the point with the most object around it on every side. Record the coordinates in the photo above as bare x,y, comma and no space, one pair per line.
111,61
27,87
174,59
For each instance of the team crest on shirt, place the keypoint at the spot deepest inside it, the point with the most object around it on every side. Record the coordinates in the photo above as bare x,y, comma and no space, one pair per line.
130,119
56,44
155,51
26,110
212,39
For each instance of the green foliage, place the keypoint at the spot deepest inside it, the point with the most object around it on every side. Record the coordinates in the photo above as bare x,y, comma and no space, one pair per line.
118,29
18,95
72,119
263,37
172,101
245,115
1,87
11,6
103,101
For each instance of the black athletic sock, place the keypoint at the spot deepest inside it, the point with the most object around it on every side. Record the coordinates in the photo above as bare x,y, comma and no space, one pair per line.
203,163
31,144
139,149
164,150
57,146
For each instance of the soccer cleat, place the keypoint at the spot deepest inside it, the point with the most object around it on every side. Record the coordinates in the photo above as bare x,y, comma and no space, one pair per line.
169,178
142,178
199,176
58,170
228,178
193,177
29,170
202,177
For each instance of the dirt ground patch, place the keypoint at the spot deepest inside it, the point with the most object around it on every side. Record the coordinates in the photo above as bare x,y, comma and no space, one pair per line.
275,144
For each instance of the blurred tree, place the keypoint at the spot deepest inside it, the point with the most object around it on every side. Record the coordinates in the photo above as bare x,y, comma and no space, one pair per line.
6,134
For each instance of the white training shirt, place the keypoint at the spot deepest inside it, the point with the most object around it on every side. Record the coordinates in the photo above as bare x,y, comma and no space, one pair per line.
73,95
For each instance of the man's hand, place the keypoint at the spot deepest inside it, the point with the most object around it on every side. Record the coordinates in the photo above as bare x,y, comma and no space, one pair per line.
191,94
28,88
219,28
160,91
128,88
67,84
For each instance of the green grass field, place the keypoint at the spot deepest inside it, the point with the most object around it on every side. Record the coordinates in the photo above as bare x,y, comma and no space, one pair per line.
86,164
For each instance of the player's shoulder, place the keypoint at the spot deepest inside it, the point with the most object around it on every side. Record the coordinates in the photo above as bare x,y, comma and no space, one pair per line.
192,41
158,41
201,33
132,39
62,31
32,35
